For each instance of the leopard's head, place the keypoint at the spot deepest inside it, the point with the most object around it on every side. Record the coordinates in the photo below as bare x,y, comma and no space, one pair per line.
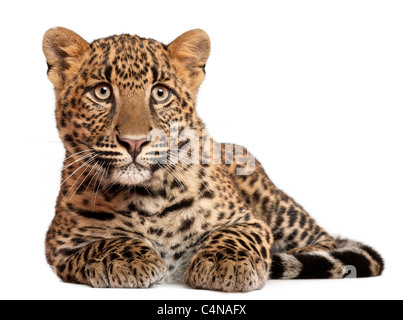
117,98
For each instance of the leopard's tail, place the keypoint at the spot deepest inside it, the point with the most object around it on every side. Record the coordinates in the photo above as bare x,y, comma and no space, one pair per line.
350,259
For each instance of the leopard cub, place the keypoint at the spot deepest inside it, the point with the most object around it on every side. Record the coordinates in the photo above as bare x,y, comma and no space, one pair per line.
147,195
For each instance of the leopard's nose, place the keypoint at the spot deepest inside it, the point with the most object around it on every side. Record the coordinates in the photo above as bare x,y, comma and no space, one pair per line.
133,146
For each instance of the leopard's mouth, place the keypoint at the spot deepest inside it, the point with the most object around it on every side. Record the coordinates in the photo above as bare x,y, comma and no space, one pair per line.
131,174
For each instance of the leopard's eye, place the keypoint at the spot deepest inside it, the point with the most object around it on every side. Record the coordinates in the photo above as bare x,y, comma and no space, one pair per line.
160,94
102,92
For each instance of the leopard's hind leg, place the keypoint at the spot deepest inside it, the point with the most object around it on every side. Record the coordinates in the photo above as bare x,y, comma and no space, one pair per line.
302,249
293,229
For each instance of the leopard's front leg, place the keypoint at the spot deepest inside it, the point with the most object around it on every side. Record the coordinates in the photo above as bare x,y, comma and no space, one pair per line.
233,259
114,263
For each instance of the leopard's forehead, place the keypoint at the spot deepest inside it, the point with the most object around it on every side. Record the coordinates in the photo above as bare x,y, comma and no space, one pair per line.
127,43
127,60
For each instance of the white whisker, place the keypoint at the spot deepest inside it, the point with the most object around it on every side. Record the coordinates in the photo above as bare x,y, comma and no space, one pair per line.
79,159
75,171
98,174
77,153
88,174
87,163
100,182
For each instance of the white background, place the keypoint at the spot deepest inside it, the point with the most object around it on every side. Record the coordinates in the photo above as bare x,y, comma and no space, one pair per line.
313,88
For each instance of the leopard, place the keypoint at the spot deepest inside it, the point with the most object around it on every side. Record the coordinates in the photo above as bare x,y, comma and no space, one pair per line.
147,196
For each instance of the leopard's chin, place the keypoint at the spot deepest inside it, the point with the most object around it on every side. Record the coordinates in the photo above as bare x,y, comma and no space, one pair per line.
131,174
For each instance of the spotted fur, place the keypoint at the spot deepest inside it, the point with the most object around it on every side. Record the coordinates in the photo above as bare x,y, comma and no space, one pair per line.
132,221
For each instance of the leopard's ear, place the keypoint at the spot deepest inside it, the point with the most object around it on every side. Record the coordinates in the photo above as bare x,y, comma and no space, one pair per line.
63,50
190,52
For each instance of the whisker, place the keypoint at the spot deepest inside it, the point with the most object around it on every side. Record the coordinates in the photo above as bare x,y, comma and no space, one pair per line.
87,163
193,169
76,171
79,159
88,174
39,142
149,192
110,185
95,182
77,153
173,174
189,180
198,175
184,177
93,176
100,182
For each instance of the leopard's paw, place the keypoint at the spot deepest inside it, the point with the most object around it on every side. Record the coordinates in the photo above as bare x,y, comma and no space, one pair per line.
120,272
238,271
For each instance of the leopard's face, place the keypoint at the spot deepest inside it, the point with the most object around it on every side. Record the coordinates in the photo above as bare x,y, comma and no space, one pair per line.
120,98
